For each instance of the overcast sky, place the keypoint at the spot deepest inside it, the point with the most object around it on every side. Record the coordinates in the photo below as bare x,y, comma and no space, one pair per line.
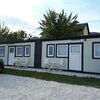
25,14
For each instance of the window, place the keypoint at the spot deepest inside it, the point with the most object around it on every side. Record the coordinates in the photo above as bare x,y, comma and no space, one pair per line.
2,51
75,49
11,50
50,50
19,51
62,50
96,50
27,51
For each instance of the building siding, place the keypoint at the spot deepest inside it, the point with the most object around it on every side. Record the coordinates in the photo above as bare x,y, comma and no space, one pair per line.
30,59
65,60
89,64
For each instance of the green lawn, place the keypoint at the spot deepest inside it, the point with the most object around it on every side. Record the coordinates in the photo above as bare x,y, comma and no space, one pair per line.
93,82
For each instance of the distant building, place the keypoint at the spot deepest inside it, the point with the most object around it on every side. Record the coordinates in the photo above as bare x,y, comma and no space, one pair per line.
83,28
94,33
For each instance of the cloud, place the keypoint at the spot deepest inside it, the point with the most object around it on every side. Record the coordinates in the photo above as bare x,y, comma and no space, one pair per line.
12,20
16,24
17,8
23,9
26,13
20,14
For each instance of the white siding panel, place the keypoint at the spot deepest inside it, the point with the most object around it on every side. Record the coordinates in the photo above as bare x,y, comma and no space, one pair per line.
30,59
65,60
90,64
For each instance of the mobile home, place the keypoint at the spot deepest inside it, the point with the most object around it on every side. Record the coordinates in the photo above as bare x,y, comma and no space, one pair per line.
75,54
80,54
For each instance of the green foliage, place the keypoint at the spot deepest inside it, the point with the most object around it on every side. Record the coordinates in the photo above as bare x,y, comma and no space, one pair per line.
17,36
58,25
4,31
7,36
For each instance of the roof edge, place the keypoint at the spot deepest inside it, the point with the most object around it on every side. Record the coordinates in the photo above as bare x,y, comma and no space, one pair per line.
69,38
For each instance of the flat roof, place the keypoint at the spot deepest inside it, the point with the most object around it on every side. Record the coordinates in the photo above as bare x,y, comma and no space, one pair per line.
69,38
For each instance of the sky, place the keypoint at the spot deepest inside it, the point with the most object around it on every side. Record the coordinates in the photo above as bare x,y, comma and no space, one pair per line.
26,14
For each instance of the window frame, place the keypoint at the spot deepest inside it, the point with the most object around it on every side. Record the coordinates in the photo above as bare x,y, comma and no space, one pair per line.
25,55
93,50
11,48
47,50
75,51
3,51
61,56
16,55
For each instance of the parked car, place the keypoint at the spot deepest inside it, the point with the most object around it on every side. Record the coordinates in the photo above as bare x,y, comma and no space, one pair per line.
1,65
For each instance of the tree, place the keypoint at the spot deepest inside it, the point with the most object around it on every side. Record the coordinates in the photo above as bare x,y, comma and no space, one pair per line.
58,25
7,36
18,36
4,31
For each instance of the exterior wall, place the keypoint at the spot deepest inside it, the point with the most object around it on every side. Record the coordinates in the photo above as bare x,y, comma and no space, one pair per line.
85,31
38,49
6,53
65,60
30,59
90,64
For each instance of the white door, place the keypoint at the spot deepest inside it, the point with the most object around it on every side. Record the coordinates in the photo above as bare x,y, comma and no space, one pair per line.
75,57
11,55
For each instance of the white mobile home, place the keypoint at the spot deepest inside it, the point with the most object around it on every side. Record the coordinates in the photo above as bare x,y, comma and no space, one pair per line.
21,51
71,54
74,54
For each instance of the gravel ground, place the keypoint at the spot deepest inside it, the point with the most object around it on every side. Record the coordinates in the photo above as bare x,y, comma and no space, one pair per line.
24,88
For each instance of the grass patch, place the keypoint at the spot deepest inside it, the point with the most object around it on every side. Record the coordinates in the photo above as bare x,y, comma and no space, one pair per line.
55,77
